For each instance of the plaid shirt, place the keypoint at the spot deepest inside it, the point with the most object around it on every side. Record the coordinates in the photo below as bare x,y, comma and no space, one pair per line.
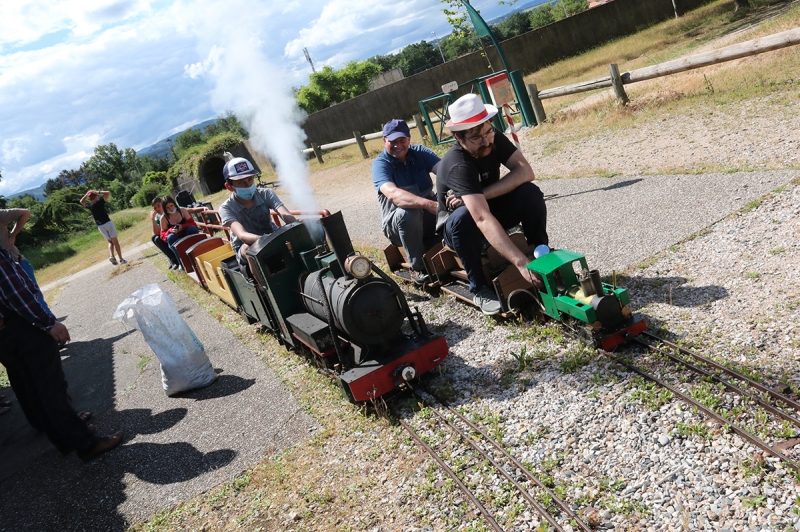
17,294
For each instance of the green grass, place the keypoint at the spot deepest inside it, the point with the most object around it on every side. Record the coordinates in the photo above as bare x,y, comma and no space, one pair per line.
58,251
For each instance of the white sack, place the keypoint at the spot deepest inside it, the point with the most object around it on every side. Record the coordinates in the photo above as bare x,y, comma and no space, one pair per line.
184,364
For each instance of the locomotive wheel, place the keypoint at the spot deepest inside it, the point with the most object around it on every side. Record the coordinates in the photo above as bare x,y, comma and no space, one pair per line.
589,337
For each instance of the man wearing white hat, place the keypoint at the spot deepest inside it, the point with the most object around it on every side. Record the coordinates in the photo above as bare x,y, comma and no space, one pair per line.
470,172
401,175
247,211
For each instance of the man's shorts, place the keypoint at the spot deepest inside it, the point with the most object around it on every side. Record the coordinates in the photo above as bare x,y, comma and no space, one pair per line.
108,229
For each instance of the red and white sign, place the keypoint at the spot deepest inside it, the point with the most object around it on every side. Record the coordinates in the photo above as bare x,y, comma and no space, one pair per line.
500,89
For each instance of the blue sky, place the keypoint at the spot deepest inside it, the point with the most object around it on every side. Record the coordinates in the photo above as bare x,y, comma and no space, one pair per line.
133,72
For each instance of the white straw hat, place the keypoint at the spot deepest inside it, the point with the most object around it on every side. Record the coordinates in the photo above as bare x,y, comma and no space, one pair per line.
468,112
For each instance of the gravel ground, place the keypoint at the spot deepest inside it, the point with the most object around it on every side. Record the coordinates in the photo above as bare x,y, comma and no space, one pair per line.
735,293
727,283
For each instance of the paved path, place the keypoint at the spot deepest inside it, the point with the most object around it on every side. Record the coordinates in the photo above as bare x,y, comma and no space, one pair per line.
174,448
616,222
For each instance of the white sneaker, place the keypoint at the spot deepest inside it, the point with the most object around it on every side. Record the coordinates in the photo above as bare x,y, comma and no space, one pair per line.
112,260
123,261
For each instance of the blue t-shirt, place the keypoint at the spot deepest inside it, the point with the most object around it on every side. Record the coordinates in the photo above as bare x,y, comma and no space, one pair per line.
414,175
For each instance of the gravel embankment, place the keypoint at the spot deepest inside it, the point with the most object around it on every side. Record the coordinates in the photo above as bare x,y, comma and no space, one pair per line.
733,292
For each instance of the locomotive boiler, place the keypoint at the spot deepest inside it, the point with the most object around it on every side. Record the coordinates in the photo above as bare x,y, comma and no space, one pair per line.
322,299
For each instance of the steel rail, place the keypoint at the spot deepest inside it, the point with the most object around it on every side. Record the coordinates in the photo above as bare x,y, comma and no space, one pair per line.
486,514
755,384
560,503
710,413
730,386
533,502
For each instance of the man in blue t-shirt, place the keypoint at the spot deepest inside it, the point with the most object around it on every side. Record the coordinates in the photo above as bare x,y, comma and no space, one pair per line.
402,179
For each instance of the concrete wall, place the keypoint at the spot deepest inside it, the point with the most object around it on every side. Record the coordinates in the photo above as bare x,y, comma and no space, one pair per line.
528,52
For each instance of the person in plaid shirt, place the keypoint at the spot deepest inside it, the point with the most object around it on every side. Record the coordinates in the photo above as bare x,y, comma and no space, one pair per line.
31,336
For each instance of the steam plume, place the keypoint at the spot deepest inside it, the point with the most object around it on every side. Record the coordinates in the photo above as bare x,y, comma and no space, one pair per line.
247,83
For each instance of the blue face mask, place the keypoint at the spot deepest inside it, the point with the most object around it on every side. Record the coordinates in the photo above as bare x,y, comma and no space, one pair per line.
246,193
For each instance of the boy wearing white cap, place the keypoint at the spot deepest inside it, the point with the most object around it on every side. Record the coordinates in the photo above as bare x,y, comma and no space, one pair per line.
247,211
470,172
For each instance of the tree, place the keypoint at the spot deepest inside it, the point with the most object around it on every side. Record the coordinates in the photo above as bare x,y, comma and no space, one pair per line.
154,164
515,24
542,16
456,45
418,57
227,123
455,16
386,62
26,201
328,86
572,7
107,163
189,138
61,213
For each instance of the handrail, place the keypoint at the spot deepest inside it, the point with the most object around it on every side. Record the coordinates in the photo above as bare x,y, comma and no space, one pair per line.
211,228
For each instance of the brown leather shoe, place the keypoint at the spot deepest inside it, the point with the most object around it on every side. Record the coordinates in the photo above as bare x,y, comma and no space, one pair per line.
106,443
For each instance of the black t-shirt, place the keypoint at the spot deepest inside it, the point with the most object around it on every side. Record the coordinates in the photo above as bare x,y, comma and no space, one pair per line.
464,174
98,209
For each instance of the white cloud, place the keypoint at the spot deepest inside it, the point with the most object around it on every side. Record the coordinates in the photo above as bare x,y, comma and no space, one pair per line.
75,74
349,24
27,22
209,66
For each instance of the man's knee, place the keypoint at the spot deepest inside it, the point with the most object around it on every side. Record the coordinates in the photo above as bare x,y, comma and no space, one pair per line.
531,193
405,218
459,220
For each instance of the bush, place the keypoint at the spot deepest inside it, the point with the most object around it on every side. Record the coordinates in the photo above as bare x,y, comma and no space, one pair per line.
155,178
147,193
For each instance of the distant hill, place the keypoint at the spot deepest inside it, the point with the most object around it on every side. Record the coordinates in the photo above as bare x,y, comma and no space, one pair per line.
524,7
37,193
161,149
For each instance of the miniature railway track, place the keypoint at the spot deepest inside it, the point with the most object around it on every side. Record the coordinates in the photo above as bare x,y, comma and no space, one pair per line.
744,434
510,462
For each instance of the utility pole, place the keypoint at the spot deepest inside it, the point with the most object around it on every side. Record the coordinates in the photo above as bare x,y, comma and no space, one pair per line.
439,45
308,58
169,143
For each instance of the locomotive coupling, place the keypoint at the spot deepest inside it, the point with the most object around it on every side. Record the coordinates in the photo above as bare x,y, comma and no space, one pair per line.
409,373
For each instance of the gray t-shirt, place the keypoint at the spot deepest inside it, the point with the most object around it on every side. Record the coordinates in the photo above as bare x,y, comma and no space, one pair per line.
6,217
256,219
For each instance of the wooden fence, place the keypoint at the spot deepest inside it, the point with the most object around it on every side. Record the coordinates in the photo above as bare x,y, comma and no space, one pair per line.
617,80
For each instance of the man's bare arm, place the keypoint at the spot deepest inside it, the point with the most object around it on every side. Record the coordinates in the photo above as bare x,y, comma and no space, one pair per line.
521,172
242,234
407,200
286,216
20,223
498,238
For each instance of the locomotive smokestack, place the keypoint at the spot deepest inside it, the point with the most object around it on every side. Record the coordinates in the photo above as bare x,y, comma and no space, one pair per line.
338,237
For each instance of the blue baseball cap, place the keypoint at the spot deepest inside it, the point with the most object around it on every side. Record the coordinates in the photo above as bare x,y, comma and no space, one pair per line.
394,129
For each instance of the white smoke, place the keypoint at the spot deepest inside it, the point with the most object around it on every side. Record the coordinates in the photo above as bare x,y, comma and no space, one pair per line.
246,82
